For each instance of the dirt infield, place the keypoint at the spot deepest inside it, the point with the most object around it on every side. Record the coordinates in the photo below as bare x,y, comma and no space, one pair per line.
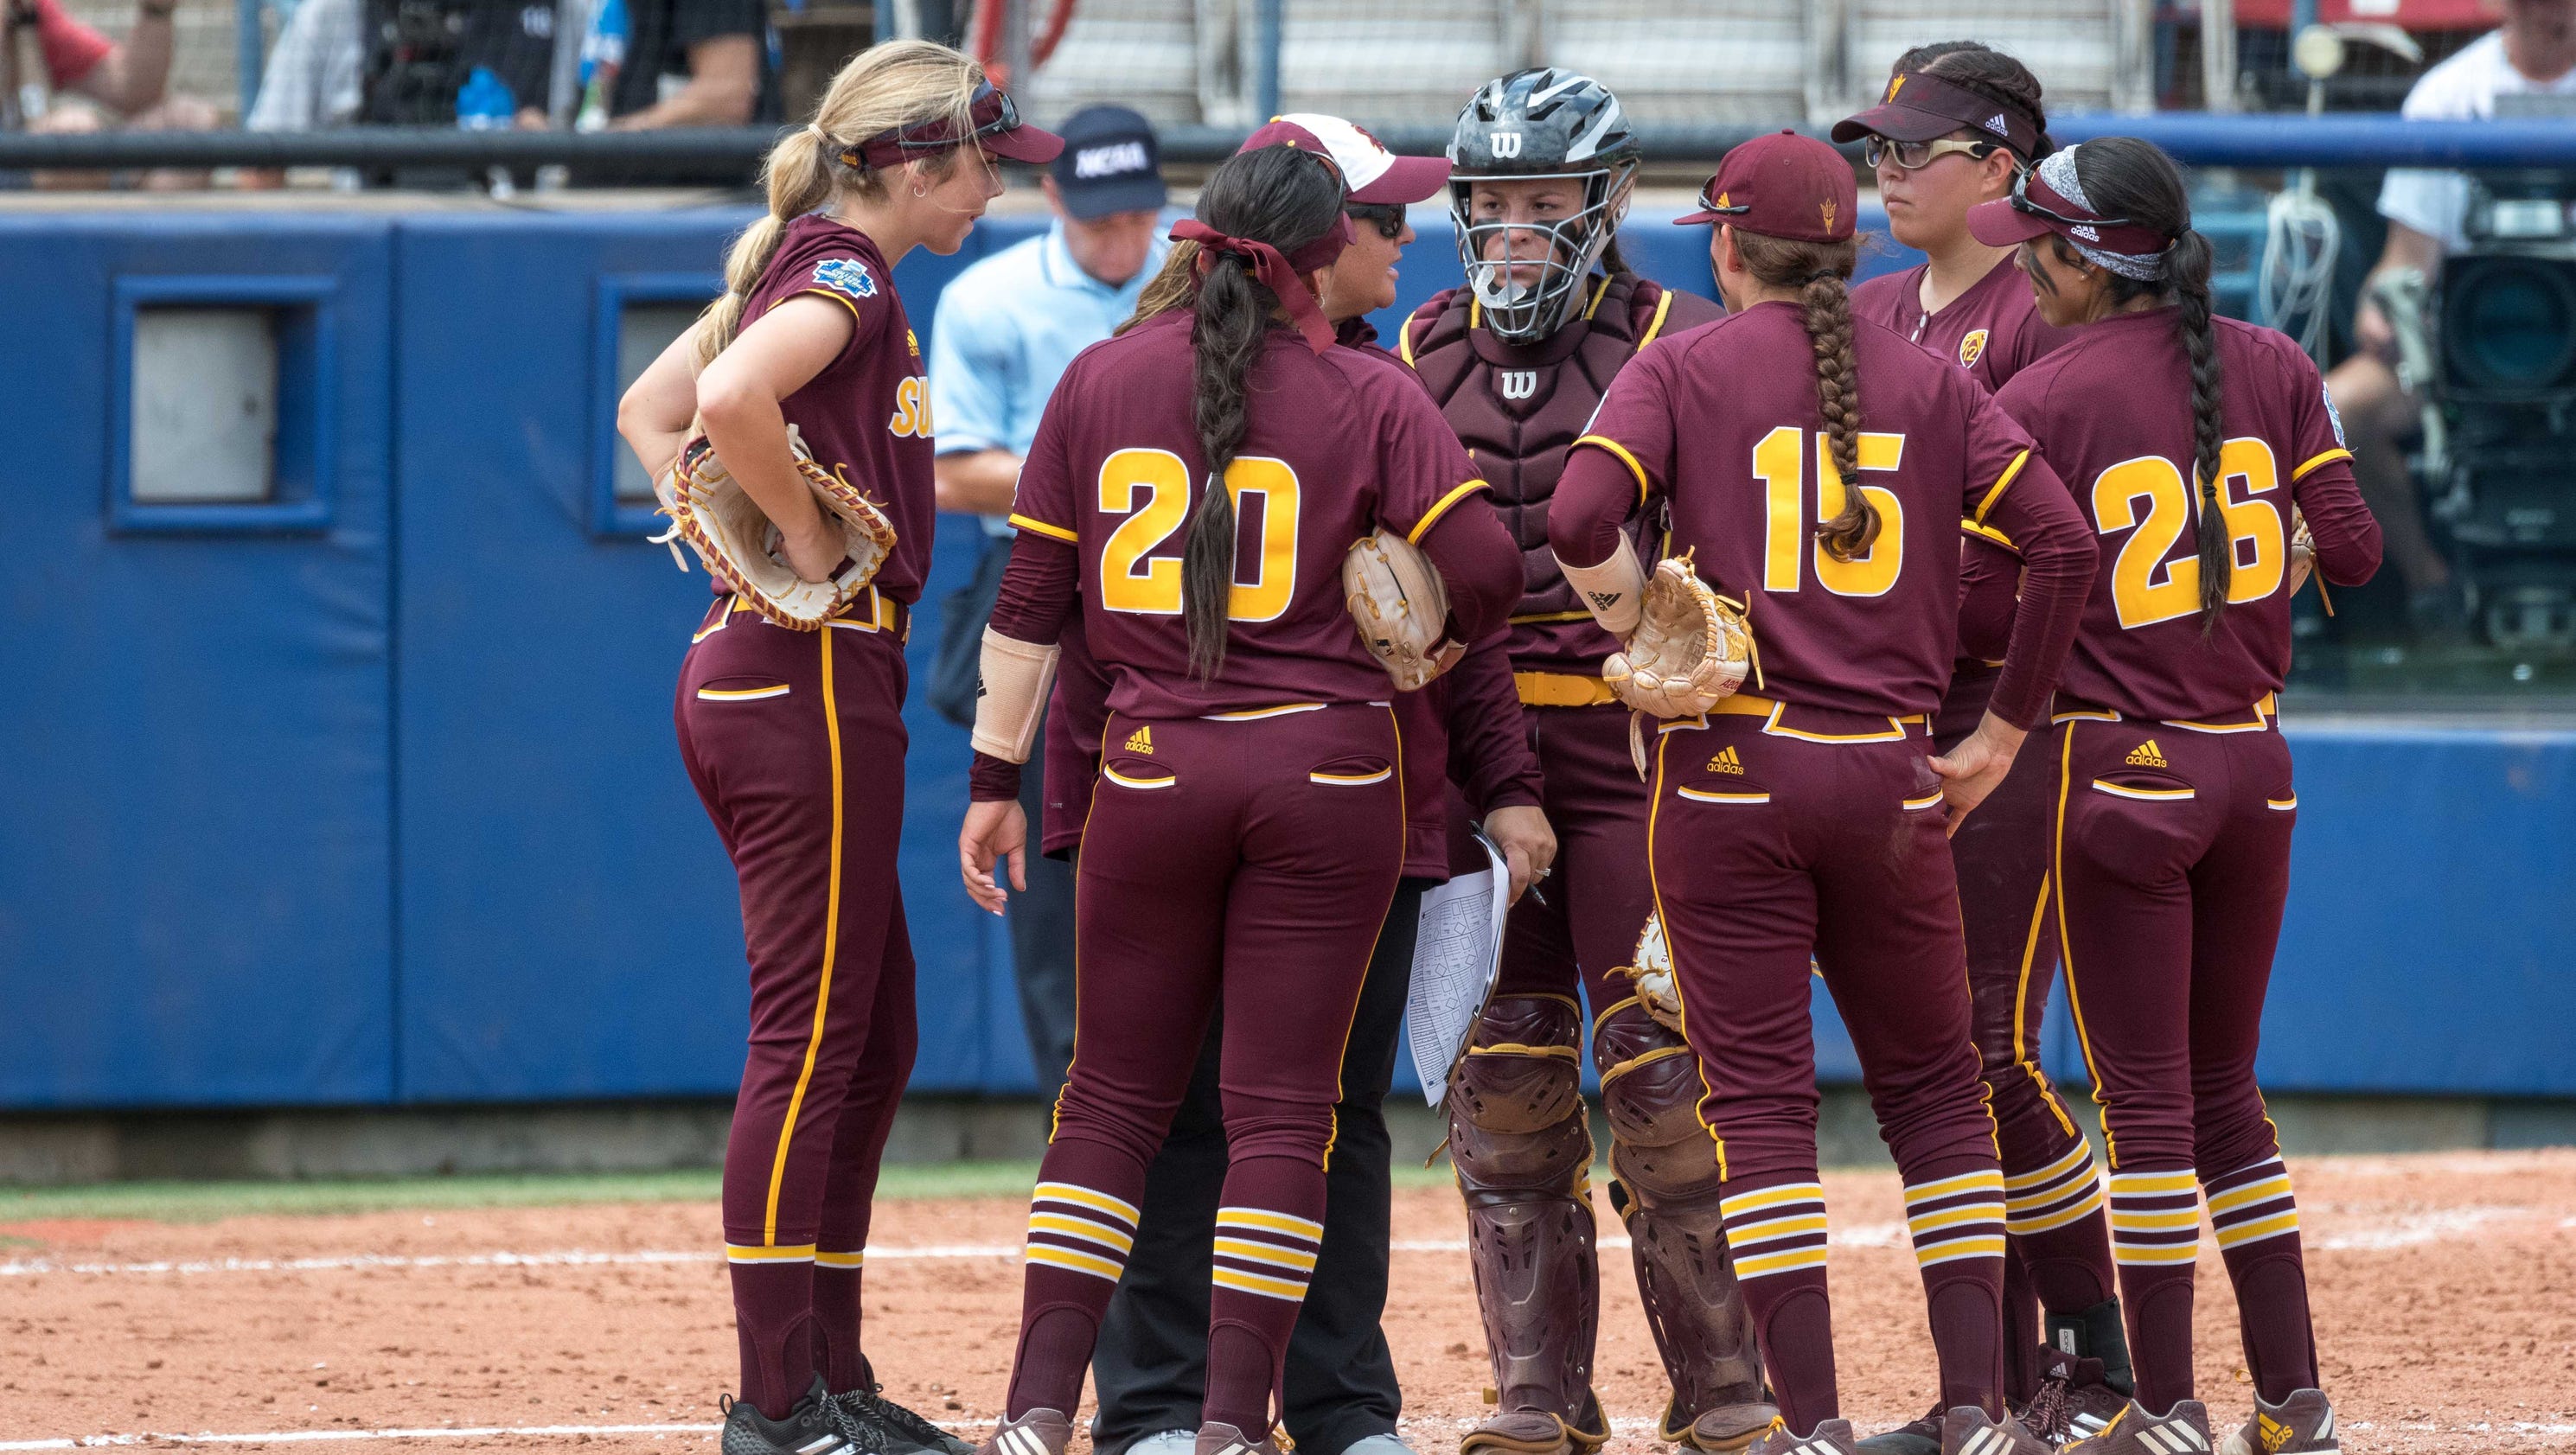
2445,1298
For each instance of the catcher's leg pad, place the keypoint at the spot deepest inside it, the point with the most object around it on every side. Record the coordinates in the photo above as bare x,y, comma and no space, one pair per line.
1523,1149
1666,1190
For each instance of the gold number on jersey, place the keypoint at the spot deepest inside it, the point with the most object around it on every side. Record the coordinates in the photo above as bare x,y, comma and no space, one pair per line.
1133,579
2145,587
1779,461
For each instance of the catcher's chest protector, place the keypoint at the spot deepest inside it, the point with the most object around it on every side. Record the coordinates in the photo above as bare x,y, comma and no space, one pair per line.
1520,410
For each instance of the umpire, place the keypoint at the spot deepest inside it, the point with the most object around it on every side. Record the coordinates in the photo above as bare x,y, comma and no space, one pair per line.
1002,336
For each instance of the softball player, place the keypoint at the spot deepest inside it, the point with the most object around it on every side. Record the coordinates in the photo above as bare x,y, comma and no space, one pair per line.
1249,815
1957,125
795,739
1810,820
2173,802
1542,162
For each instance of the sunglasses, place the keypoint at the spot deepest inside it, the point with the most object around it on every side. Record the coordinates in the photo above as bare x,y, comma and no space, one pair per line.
1915,155
990,111
1386,217
2021,203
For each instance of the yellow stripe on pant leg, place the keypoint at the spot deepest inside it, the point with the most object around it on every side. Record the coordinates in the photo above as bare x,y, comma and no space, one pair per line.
831,947
1655,891
2066,947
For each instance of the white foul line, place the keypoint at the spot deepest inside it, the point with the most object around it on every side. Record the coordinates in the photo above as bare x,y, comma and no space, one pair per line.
2354,1234
485,1432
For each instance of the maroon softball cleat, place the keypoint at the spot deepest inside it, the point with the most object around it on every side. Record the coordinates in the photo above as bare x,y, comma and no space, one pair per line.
2301,1424
2182,1430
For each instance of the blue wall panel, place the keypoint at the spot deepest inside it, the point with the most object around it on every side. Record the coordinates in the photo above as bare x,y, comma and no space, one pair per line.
568,920
375,798
194,869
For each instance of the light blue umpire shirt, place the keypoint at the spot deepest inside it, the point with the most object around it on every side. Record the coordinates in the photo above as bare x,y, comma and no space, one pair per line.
1003,334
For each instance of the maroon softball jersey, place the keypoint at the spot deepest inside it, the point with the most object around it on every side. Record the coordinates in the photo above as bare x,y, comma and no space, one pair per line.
1750,478
866,417
1340,443
2112,411
1993,330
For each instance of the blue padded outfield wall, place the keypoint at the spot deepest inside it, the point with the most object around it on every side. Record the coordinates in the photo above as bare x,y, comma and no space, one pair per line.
368,795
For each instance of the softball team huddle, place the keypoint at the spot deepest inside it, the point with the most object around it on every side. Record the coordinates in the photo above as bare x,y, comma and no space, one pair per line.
2016,534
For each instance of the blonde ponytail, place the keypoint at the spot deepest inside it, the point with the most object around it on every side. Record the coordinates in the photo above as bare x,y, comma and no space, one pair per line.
901,83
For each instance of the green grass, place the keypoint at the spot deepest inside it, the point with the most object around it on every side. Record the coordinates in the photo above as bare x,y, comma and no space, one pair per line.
201,1202
197,1202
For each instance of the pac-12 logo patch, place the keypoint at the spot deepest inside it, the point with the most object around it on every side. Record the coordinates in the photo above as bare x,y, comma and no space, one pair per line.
2336,419
846,275
1972,348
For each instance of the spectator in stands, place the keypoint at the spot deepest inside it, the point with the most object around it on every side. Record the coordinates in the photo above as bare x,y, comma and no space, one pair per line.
1003,334
2533,53
97,84
127,77
687,63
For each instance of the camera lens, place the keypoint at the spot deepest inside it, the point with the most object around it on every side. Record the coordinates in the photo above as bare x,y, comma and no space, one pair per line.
2511,324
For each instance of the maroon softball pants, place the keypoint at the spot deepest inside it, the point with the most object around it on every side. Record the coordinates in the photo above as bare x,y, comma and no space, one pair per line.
1798,833
795,741
2059,1249
1255,856
2172,863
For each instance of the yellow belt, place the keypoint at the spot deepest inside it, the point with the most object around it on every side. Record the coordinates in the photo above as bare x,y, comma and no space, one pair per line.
1561,689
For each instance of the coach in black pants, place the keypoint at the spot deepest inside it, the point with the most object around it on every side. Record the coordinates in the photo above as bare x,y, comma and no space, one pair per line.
1150,1366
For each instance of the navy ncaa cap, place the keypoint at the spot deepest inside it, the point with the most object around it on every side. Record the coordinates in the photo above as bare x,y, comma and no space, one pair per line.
1110,163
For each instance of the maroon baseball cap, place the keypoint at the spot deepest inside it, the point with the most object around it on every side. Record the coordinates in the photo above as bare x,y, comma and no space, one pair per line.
1369,170
1785,186
1920,107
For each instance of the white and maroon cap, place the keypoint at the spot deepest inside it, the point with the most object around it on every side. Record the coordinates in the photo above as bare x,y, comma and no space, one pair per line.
1369,170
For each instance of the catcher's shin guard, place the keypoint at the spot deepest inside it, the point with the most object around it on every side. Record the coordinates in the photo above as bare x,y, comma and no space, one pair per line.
1666,1190
1518,1137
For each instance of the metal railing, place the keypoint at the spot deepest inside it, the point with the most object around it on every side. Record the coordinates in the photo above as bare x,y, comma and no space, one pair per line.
2196,138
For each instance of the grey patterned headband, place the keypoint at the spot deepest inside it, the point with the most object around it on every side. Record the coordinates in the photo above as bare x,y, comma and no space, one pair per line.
2057,169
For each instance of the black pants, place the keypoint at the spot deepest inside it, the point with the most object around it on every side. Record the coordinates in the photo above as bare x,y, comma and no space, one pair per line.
1150,1367
1041,926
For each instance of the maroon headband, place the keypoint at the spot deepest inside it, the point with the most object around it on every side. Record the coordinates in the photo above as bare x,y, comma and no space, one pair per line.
1282,274
2116,235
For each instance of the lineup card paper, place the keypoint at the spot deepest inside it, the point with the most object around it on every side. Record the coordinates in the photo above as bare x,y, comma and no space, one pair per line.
1457,953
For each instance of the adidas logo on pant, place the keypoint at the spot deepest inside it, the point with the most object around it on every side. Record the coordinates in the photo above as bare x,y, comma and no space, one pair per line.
1142,741
1726,762
2147,755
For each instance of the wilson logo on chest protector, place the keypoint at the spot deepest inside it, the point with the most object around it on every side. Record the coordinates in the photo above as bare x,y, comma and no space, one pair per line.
1517,383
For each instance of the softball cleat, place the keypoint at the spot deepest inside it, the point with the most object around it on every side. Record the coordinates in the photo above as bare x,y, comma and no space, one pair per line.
2182,1430
1829,1437
810,1428
2301,1424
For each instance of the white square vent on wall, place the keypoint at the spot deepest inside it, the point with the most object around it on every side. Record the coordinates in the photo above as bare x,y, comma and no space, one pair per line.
204,416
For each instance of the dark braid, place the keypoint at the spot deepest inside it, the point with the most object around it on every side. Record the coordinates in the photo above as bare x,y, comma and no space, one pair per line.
1987,72
1822,272
2186,271
1612,262
1286,198
2125,177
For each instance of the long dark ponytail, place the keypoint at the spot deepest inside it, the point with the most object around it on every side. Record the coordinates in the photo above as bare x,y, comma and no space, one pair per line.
2125,177
1286,198
1821,272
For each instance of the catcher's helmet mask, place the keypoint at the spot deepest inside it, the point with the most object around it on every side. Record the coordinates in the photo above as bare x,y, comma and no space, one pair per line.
1547,124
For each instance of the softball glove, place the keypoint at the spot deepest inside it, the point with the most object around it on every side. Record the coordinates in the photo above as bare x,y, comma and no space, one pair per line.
1691,647
738,544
